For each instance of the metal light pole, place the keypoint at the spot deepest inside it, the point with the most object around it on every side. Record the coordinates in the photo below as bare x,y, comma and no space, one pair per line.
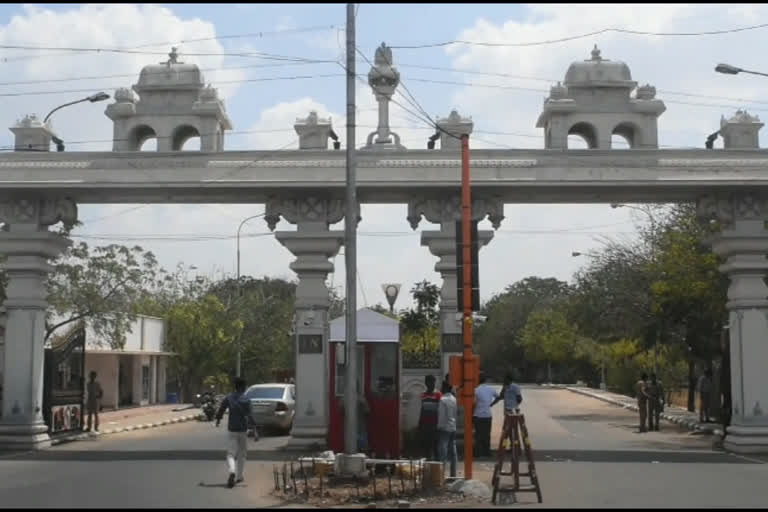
576,254
653,227
727,69
350,250
93,98
238,362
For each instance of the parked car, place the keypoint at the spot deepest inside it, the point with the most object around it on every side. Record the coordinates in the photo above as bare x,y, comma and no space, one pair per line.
272,405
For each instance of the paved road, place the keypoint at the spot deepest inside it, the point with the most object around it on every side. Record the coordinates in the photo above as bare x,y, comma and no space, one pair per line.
588,455
176,466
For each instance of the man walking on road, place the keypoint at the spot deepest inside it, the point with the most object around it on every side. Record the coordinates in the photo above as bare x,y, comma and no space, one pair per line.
641,390
95,394
705,396
482,417
237,449
655,402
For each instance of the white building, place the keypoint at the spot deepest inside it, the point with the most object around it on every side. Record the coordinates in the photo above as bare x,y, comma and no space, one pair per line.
135,375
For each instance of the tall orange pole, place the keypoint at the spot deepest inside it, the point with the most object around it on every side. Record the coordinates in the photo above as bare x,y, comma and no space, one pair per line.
468,391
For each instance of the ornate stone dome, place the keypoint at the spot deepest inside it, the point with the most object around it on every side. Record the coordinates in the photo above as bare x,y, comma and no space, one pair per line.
170,75
599,72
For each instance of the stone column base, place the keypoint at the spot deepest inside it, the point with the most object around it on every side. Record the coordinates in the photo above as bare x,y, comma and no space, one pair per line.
308,438
24,437
742,439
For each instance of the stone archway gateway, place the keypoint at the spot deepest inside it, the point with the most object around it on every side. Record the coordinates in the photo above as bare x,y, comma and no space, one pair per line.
306,188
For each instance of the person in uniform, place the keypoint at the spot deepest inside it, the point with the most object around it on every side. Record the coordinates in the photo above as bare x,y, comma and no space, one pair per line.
655,402
95,393
641,391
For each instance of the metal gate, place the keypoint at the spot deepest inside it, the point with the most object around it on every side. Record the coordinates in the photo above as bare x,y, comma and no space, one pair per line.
64,382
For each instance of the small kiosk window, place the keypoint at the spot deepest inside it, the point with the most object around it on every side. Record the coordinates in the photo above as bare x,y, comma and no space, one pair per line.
383,369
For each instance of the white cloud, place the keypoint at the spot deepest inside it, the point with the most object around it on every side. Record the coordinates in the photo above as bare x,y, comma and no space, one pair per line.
125,26
534,239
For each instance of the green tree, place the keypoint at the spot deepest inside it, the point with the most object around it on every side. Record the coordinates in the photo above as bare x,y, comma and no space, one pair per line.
548,337
100,284
498,338
689,292
265,307
201,335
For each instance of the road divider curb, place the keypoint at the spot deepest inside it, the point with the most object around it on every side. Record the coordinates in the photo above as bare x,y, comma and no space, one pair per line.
688,423
141,426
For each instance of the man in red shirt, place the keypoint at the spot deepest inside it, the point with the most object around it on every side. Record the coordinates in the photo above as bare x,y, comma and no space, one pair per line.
430,400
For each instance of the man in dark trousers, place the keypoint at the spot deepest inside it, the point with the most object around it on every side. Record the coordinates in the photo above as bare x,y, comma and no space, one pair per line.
705,396
655,402
641,390
237,450
430,400
95,394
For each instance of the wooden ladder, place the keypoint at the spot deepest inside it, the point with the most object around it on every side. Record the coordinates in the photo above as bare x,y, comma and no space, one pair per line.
514,430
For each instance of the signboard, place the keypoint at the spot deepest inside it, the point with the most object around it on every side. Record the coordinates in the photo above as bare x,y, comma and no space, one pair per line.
310,344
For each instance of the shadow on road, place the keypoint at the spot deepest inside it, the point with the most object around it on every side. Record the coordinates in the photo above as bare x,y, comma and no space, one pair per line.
608,456
649,456
154,455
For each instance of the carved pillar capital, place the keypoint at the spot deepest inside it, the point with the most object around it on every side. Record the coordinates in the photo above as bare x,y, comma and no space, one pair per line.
447,210
38,213
728,209
305,211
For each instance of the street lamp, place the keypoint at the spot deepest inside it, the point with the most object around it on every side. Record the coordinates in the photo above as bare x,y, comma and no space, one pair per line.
93,98
391,291
727,69
576,254
239,228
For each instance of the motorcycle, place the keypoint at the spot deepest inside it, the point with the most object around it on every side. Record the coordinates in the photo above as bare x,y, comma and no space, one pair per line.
208,405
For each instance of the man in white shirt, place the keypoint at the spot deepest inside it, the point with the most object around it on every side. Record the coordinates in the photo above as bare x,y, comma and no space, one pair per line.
482,417
446,427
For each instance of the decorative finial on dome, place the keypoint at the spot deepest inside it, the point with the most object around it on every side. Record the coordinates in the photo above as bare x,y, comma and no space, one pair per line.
596,53
558,92
173,57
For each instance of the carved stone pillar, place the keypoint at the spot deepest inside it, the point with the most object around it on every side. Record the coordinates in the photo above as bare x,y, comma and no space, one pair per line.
743,241
442,243
313,244
27,245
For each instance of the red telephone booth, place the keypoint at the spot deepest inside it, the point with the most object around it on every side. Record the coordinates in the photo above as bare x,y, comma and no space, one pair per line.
378,377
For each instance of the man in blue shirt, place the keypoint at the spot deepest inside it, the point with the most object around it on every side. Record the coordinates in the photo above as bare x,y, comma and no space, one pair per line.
510,393
237,451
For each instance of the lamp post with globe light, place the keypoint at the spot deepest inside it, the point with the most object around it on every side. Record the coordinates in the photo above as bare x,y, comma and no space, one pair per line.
391,292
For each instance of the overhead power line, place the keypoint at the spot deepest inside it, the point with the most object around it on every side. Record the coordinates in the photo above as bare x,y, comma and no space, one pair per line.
218,82
258,55
201,237
582,36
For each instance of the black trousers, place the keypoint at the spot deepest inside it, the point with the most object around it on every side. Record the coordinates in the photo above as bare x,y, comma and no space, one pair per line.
429,443
482,436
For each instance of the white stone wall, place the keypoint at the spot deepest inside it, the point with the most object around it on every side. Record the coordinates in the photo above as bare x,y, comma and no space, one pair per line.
146,334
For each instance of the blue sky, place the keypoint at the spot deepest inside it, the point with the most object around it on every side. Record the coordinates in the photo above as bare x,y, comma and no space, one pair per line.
540,238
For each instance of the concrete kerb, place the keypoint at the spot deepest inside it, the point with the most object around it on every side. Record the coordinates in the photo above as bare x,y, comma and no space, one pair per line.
143,426
688,423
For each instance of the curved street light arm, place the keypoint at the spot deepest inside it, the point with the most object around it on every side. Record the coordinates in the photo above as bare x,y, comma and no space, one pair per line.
62,106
